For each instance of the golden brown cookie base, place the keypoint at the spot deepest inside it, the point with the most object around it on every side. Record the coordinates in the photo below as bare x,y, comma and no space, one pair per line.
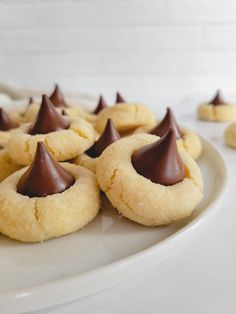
126,117
40,218
222,113
139,199
86,161
63,144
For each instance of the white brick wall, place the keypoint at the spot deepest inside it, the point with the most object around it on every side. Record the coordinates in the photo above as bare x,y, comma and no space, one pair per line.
138,46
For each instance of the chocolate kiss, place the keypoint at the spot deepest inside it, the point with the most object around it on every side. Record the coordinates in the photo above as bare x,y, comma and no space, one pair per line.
167,123
101,105
31,100
160,161
119,98
217,100
48,119
45,176
57,97
6,123
109,136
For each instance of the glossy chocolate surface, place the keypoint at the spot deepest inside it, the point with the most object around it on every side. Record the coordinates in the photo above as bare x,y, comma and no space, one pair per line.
57,97
119,98
45,176
160,161
167,123
6,123
48,119
217,100
109,136
101,105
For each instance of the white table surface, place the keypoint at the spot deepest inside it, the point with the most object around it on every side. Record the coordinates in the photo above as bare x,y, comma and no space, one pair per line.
199,278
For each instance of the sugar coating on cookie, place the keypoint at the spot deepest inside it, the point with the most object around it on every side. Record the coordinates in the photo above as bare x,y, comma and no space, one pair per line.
37,219
86,161
62,144
7,165
126,117
139,199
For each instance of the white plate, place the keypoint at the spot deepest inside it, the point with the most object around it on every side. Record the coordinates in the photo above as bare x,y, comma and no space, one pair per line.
107,251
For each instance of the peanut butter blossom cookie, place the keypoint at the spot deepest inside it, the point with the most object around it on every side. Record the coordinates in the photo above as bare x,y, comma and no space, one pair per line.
65,137
163,186
90,157
186,138
217,110
47,199
125,116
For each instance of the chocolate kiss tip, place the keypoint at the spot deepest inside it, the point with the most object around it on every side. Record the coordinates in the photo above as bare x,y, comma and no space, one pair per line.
119,98
101,105
109,136
57,97
160,161
45,176
31,100
48,119
167,123
6,123
217,100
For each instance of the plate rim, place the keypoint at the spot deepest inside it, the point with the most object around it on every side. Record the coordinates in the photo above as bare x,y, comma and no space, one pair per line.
37,297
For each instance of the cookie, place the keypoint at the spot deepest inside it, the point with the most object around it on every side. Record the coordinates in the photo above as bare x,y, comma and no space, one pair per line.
86,161
217,110
126,117
191,143
35,219
137,197
65,137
